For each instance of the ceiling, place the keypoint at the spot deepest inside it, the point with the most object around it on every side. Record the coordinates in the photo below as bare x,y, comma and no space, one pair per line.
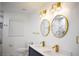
25,6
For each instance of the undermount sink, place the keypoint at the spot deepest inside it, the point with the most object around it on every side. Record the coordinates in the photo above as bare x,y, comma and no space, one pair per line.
53,53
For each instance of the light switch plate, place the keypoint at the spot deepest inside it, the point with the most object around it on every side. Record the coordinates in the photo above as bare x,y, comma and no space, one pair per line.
77,39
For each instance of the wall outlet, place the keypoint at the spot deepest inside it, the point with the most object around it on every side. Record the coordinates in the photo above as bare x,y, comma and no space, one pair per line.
77,39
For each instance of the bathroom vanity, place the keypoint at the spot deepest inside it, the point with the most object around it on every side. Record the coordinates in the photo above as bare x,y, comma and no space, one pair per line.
33,52
46,51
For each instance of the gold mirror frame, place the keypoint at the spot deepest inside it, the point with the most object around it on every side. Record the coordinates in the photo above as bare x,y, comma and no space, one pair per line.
45,27
59,31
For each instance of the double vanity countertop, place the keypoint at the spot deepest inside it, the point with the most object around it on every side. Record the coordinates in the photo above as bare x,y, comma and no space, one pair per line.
48,51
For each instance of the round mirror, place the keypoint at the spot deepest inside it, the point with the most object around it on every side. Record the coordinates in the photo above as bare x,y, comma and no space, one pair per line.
59,26
45,27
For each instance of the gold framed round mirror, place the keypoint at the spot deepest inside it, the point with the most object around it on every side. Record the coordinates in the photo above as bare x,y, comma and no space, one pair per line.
59,26
45,27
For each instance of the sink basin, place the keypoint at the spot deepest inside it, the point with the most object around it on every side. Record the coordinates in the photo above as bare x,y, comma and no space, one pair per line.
50,53
61,53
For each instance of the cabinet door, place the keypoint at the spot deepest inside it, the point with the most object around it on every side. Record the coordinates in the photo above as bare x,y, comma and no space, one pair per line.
33,52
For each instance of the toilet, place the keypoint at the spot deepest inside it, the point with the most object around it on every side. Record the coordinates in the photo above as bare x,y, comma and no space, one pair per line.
22,51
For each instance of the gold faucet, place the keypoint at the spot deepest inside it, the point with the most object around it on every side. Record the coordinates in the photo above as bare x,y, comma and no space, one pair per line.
56,48
43,43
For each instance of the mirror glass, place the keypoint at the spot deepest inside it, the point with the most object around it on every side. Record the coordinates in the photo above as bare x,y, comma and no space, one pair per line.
59,26
45,27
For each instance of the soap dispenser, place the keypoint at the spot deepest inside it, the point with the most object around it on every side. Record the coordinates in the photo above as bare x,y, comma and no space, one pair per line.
43,43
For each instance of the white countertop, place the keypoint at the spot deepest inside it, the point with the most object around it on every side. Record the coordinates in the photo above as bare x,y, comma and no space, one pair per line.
48,51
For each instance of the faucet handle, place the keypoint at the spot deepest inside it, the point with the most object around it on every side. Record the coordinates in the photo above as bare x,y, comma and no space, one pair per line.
43,43
56,48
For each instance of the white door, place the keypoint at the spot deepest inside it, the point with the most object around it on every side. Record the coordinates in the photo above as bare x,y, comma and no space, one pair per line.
13,34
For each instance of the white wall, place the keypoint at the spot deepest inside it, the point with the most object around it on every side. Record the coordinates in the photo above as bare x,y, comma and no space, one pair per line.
0,6
68,42
0,11
32,24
